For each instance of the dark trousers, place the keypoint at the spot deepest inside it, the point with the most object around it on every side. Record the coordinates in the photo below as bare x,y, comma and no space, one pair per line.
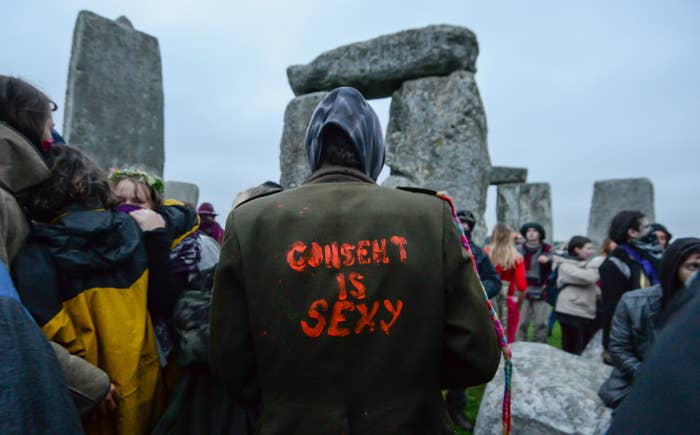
576,332
456,399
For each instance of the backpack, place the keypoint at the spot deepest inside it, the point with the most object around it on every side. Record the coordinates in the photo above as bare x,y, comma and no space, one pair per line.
551,291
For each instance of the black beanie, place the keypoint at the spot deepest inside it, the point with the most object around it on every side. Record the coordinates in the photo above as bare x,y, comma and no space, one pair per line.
535,225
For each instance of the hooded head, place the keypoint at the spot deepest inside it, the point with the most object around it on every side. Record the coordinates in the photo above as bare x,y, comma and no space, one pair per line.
662,234
345,109
536,226
675,255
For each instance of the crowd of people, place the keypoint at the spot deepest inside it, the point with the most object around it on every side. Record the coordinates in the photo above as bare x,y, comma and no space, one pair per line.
338,306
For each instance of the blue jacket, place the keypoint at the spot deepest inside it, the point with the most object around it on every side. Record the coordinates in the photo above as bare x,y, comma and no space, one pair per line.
33,394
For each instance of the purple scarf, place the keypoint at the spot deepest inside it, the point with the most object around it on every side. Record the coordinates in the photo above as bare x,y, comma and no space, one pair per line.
649,270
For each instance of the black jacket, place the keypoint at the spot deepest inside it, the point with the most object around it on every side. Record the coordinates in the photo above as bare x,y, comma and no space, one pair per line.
618,275
631,337
633,328
487,273
664,398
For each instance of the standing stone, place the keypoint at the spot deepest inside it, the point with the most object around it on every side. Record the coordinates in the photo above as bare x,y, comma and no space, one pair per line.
505,175
613,196
436,139
379,66
553,392
594,348
185,192
114,98
519,203
294,165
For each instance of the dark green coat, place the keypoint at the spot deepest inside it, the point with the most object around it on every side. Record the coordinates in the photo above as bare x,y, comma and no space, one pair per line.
345,307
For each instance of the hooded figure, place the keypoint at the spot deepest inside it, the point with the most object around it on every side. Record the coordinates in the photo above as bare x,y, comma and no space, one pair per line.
639,314
675,295
347,109
342,306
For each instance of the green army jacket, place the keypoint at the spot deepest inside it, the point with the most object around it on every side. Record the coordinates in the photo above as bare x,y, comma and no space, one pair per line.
344,307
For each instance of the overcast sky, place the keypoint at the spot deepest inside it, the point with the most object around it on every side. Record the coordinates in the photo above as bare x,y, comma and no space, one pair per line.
575,92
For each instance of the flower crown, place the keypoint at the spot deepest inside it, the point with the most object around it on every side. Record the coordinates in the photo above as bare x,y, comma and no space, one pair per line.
150,180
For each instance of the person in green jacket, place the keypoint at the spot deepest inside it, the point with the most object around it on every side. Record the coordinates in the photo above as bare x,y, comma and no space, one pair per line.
344,307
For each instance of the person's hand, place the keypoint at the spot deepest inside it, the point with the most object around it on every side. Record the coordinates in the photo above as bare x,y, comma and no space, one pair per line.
148,220
109,404
543,259
520,300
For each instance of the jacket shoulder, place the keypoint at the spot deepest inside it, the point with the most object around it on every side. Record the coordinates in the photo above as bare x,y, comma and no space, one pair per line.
260,195
648,293
418,190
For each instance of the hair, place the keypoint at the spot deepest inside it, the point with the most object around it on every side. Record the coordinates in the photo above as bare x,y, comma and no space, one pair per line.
606,248
155,196
241,197
675,255
576,242
467,217
338,149
502,249
537,227
24,108
622,222
74,180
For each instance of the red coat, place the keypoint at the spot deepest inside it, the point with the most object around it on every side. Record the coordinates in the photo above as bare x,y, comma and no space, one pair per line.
515,275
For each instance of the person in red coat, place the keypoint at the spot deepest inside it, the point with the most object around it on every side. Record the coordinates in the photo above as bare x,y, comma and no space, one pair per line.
510,266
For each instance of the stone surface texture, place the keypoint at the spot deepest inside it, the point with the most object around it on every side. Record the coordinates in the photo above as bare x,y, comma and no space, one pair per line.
520,203
505,175
594,348
185,192
114,97
436,139
613,196
553,392
379,66
294,165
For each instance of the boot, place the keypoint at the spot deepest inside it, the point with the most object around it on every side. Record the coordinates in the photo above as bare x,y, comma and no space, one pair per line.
460,419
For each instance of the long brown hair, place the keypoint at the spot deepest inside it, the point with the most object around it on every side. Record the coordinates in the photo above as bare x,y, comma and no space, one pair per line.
24,108
75,181
502,251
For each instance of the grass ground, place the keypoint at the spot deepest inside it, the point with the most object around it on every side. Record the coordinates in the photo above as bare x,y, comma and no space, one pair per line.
474,394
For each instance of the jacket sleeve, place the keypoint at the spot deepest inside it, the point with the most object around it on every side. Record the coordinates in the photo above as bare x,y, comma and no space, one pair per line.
163,286
573,275
88,384
36,282
622,341
231,352
612,283
489,278
487,273
520,276
470,350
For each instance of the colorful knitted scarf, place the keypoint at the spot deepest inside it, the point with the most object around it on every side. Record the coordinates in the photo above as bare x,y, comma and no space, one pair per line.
507,354
649,269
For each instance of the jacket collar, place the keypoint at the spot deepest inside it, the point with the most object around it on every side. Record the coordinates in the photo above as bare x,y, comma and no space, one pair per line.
21,165
338,174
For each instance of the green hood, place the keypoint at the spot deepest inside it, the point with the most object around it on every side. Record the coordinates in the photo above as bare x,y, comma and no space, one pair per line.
21,165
